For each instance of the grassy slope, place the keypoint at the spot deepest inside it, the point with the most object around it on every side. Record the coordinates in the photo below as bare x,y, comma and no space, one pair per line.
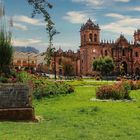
75,117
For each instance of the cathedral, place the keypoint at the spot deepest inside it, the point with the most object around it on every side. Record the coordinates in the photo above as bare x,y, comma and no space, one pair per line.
124,53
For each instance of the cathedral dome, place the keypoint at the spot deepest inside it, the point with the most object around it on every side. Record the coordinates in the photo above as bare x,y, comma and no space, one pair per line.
121,39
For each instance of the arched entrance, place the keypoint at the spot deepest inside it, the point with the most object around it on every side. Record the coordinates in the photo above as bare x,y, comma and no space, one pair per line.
124,67
137,71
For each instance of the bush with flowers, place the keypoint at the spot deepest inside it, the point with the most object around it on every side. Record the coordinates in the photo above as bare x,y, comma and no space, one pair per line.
43,87
117,91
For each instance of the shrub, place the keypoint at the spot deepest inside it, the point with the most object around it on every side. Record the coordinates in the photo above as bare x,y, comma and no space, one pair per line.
134,84
6,51
52,89
138,84
3,79
116,91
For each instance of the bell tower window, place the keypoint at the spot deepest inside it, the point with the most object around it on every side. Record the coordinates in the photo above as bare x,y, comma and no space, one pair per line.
123,53
60,61
95,37
106,53
90,37
136,54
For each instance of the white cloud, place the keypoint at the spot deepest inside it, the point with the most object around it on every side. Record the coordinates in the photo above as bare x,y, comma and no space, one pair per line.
25,42
122,0
115,15
134,8
96,4
76,17
26,19
116,28
91,2
126,25
99,3
20,26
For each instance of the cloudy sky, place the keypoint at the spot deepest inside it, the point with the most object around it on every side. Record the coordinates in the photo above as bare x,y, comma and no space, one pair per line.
113,16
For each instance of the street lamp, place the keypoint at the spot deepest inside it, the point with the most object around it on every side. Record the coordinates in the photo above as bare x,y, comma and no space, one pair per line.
29,54
55,65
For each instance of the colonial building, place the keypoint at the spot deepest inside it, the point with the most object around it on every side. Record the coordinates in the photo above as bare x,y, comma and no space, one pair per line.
24,60
124,53
61,58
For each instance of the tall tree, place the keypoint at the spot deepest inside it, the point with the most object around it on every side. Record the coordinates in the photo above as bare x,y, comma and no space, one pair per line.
41,7
104,65
51,31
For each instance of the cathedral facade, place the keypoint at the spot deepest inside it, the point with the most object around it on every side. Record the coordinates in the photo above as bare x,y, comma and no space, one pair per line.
124,53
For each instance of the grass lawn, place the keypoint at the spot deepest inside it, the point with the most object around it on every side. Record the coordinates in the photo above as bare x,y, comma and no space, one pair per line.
75,117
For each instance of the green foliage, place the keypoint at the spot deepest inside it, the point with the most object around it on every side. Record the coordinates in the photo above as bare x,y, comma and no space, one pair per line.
3,79
43,88
134,84
51,31
48,55
6,51
75,117
104,65
24,77
52,89
40,7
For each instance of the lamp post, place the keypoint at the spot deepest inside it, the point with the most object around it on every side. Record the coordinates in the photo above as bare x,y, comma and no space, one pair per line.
29,54
55,65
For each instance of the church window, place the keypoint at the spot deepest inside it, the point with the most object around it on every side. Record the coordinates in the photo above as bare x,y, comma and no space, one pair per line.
106,53
123,53
60,61
136,54
90,38
95,37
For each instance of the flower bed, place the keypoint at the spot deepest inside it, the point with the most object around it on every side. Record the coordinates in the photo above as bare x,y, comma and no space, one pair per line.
43,87
116,91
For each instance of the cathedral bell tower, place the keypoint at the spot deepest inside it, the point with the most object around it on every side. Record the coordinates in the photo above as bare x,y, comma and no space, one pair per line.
90,42
90,34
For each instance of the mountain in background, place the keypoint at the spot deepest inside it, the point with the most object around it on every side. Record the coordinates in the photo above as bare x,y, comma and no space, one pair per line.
26,49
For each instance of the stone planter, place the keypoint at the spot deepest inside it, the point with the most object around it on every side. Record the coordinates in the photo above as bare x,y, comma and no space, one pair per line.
16,102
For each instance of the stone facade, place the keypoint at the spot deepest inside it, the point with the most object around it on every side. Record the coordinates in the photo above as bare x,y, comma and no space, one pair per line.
69,56
124,53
